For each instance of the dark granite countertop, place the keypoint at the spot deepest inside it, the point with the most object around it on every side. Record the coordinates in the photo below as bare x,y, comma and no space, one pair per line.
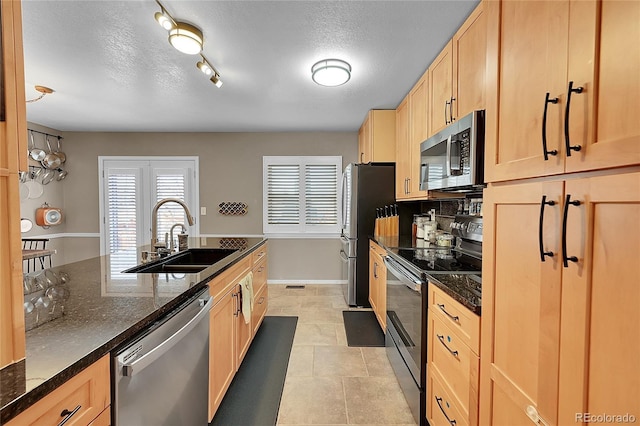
465,286
104,309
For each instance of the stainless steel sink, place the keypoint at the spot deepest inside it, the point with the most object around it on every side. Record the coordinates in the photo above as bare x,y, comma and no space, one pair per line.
188,261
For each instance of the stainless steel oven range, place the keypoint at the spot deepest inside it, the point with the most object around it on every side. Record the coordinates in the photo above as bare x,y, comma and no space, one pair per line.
409,270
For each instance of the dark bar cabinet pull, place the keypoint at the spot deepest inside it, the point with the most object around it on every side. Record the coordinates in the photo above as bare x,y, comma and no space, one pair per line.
566,259
455,318
439,401
68,414
441,338
566,119
547,101
543,203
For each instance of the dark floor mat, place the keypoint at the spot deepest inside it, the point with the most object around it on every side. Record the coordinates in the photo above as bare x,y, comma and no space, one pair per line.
362,328
253,398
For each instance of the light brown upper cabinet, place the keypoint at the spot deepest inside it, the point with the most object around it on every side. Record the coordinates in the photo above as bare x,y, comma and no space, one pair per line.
441,89
411,130
377,137
13,132
456,76
403,151
563,87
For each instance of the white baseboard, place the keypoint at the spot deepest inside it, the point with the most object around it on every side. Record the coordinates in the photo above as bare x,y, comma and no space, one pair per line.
310,282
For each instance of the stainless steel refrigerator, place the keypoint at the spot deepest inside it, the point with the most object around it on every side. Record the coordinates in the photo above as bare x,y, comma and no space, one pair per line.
364,187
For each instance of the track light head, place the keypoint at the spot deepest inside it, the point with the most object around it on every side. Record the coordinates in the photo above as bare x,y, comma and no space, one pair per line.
165,21
215,79
204,67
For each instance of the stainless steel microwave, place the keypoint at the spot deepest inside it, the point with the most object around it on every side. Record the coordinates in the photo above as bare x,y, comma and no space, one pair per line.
453,159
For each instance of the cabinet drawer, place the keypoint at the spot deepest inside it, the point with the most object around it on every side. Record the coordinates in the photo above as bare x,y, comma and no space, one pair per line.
464,323
455,361
442,409
260,304
86,395
221,284
377,249
259,274
104,419
259,253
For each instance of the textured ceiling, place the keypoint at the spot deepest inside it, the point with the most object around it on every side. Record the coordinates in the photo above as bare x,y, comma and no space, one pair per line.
113,69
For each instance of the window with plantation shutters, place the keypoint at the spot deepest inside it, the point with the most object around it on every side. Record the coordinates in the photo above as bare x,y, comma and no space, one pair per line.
129,189
301,195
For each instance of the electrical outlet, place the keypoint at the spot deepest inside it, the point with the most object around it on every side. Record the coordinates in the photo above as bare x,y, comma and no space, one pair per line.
203,211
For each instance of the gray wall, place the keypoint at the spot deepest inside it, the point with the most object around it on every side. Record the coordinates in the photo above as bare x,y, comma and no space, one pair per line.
230,170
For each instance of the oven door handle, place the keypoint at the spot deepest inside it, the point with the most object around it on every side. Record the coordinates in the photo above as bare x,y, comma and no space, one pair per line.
405,276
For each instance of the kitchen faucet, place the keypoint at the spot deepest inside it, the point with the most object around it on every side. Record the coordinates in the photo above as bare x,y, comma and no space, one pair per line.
154,222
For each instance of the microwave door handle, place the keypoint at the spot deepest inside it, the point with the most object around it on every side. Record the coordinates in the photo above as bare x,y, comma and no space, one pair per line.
448,159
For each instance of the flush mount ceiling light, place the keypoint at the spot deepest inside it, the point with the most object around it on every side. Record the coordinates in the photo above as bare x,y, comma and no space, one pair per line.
43,91
331,72
188,39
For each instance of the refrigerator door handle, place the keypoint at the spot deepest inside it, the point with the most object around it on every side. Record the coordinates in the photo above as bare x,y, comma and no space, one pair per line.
344,256
344,204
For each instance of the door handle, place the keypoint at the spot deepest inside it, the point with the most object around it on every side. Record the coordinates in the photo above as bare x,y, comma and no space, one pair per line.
546,152
566,259
451,109
454,318
543,203
568,146
439,401
375,269
68,414
446,120
441,338
344,256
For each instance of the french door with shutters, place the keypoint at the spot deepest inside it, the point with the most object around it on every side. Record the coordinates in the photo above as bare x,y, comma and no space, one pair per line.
129,189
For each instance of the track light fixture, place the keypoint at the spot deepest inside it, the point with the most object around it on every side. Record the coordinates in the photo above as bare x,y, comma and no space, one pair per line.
188,39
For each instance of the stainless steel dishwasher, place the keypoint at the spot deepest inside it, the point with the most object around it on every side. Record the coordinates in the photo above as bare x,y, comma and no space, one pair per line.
162,377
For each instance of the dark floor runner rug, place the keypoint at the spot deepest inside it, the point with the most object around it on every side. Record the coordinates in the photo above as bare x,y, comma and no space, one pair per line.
253,398
362,328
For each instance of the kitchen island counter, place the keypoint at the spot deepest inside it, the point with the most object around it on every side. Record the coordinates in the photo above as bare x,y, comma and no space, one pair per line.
103,309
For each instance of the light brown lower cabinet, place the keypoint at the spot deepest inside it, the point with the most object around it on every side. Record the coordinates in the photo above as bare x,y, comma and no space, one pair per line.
560,300
230,335
84,399
453,361
378,283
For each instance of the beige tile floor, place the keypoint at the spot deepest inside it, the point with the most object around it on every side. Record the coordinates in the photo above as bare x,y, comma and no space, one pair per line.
327,381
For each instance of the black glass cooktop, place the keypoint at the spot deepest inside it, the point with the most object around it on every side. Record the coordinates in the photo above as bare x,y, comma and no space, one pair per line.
440,260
